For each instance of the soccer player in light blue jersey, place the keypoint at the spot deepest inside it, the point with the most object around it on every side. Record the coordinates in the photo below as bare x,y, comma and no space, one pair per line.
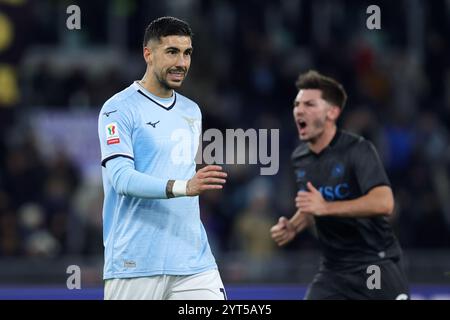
155,244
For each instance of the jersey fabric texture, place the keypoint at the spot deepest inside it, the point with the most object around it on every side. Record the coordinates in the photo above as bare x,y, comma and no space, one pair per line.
347,169
146,236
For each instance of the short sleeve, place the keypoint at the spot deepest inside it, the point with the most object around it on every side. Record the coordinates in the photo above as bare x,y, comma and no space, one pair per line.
369,169
115,128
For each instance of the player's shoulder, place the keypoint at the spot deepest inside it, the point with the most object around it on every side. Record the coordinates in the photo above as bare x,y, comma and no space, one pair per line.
119,101
354,141
300,151
188,103
347,138
186,100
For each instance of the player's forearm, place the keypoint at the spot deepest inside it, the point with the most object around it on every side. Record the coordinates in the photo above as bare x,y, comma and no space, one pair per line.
379,201
301,221
127,181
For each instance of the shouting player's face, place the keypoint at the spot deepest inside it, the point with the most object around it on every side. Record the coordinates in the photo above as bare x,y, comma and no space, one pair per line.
170,59
312,114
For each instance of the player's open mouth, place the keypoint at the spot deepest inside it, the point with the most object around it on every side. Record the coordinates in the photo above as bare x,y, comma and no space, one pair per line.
301,126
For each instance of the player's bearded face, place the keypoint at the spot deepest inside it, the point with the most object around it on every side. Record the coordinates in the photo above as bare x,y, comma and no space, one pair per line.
310,114
171,61
171,78
313,129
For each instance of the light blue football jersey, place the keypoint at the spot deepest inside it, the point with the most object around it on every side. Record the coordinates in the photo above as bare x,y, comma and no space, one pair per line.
145,237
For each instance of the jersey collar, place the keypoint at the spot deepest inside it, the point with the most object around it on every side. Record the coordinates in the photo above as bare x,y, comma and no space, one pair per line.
142,91
331,145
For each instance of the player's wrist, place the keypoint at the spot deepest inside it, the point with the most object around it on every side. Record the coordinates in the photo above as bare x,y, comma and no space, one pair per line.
169,189
176,188
189,191
327,208
292,226
180,188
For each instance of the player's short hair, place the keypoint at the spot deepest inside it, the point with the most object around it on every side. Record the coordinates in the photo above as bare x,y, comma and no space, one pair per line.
332,91
166,26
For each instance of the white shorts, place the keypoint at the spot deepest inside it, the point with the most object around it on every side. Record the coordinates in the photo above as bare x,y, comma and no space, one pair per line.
201,286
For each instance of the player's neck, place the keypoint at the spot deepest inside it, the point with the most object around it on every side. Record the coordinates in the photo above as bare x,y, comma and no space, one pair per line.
154,87
323,140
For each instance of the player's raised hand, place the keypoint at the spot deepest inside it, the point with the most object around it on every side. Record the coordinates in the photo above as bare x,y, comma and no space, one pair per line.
208,178
311,202
283,232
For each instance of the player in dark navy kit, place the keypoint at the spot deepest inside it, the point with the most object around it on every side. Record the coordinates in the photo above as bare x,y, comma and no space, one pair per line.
344,192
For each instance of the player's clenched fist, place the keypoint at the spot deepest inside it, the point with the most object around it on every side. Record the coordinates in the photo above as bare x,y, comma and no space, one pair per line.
283,232
208,178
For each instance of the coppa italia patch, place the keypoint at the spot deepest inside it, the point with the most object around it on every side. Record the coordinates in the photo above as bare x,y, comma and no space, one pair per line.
112,133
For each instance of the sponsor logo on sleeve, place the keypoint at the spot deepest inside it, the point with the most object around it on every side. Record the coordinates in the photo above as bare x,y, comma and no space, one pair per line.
112,133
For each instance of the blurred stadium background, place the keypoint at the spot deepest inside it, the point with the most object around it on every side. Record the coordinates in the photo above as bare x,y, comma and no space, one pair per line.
53,82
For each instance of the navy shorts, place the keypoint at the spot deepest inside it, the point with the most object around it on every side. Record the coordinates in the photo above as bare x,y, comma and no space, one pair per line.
359,283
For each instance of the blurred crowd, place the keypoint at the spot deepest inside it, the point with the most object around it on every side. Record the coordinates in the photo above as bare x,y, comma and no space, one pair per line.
246,59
